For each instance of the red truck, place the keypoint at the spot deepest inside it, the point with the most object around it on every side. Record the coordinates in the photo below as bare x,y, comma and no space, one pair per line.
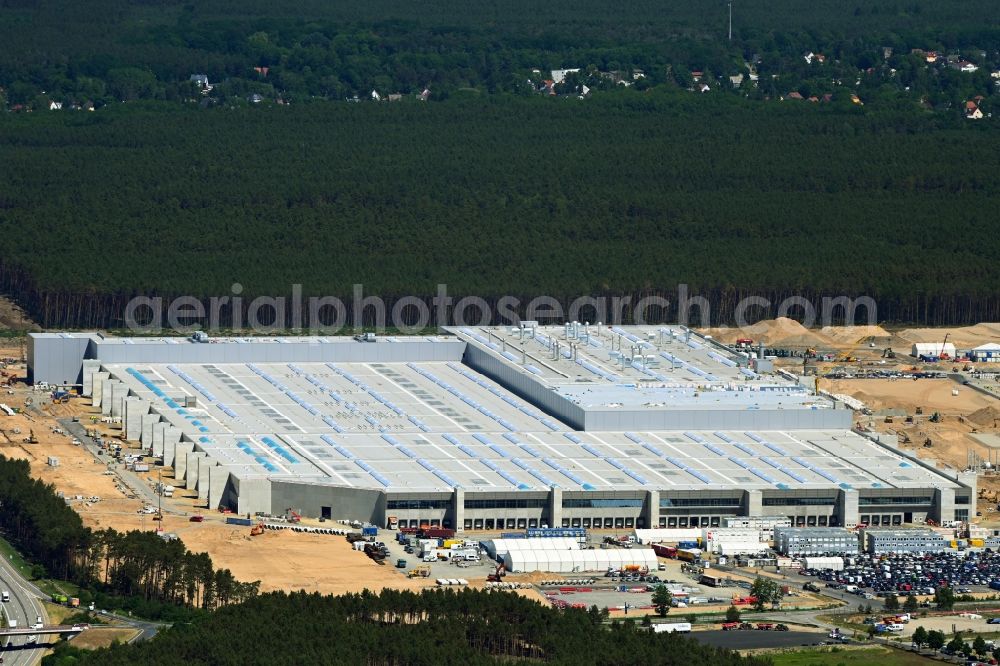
665,551
438,533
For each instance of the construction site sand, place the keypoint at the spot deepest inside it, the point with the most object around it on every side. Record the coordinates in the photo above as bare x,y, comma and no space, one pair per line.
951,438
907,394
963,337
785,332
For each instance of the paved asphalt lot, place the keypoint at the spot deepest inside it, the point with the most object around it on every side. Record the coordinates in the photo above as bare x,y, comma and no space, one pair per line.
744,640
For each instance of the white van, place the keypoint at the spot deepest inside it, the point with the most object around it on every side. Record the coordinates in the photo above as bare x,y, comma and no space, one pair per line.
6,596
895,628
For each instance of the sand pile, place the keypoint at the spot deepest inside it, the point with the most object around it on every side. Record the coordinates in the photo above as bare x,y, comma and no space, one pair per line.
986,416
966,336
780,332
852,335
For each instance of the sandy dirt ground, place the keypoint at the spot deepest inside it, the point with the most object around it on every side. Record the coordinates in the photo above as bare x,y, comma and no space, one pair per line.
785,332
948,624
13,317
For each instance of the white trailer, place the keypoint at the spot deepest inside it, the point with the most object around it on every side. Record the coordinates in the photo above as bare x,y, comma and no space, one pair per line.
672,628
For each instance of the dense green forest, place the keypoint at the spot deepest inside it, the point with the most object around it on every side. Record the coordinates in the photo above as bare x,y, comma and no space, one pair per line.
622,179
136,571
626,193
435,628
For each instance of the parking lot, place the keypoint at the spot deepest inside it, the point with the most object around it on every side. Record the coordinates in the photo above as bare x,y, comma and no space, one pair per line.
749,640
967,573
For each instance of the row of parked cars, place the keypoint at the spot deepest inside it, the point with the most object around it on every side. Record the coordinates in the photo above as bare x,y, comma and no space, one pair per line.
916,573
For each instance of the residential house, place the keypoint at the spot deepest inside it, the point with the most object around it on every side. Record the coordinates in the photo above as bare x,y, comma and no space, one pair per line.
425,95
702,87
886,52
828,97
736,80
814,57
696,75
975,114
201,80
55,106
795,95
638,74
394,97
262,70
255,98
931,57
964,66
559,75
856,100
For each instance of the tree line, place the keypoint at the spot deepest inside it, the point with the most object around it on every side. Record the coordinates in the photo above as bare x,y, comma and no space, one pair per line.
432,627
112,50
134,570
626,195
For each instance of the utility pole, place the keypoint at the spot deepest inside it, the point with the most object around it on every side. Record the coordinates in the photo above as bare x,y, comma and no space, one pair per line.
159,499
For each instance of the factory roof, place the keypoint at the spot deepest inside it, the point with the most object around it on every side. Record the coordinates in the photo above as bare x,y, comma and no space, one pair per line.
432,426
603,368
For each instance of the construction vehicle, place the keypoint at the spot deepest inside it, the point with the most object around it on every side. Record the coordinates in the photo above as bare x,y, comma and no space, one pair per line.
31,439
928,443
294,516
936,417
888,419
257,529
888,353
920,410
497,574
906,439
944,355
419,572
59,397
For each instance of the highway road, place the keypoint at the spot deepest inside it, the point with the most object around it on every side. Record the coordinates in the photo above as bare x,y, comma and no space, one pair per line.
25,607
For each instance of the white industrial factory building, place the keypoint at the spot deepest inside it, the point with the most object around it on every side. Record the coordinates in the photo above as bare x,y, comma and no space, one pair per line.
498,428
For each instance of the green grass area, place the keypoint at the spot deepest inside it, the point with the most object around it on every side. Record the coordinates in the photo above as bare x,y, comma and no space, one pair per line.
14,558
845,657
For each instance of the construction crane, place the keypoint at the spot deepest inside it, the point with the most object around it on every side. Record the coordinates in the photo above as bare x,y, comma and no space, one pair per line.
945,355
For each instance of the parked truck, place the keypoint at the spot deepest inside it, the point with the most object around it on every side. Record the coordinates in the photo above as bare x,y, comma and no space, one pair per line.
672,628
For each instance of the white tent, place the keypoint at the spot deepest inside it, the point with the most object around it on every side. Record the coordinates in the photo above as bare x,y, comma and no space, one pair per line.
932,349
668,535
499,547
573,561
